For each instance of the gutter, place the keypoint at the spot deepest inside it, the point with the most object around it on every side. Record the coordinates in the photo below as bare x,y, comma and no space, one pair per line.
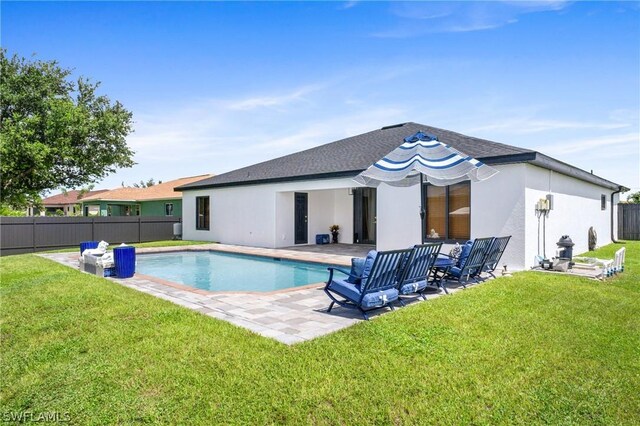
549,163
319,176
619,190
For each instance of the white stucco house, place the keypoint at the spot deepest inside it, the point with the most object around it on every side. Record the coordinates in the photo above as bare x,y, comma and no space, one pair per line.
288,200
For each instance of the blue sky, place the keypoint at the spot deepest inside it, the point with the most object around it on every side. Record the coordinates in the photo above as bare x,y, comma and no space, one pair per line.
217,86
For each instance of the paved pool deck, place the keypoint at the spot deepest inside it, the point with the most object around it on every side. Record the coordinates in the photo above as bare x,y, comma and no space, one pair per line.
289,316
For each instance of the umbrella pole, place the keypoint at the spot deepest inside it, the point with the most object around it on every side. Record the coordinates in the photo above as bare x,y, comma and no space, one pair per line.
422,210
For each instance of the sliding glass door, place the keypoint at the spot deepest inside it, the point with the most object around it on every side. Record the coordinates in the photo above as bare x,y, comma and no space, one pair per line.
364,215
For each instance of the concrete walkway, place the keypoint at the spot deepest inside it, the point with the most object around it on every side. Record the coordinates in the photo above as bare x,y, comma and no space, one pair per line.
289,316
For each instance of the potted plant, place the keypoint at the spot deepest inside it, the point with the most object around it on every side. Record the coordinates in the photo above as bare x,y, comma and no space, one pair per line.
335,231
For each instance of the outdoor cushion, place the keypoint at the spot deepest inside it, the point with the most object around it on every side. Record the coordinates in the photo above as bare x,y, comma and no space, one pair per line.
379,298
347,290
464,254
357,268
413,287
372,300
455,271
368,264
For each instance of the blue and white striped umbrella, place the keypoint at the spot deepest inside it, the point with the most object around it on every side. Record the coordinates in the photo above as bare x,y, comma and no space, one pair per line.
422,154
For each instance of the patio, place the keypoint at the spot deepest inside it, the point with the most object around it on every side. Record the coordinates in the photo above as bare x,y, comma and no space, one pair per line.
351,250
288,316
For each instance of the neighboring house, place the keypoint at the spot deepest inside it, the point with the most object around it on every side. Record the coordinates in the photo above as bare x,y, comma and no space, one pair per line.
288,200
156,200
66,202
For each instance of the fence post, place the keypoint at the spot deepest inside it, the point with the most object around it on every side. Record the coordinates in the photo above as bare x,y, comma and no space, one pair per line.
620,222
33,230
93,231
139,229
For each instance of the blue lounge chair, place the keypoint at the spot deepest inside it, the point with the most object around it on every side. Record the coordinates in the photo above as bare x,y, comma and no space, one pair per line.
494,254
418,268
471,261
375,288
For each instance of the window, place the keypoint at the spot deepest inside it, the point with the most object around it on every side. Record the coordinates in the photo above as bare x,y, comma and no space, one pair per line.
168,209
202,213
603,202
92,210
447,212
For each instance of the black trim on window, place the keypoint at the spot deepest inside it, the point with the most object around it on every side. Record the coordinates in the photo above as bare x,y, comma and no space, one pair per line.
202,213
603,202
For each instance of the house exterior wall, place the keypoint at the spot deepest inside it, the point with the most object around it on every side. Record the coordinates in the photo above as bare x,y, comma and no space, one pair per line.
156,207
398,217
497,209
343,214
576,207
262,215
284,219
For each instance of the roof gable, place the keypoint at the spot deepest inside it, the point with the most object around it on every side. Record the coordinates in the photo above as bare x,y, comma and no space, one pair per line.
69,197
160,191
351,156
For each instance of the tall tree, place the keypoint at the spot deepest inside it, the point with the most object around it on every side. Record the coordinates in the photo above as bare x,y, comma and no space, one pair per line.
634,198
54,131
146,184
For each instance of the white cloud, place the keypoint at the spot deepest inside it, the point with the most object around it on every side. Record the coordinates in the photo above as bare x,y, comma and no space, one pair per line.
348,4
523,125
611,146
419,18
215,135
280,100
218,135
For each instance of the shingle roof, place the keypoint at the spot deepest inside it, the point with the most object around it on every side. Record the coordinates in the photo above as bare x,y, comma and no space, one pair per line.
352,155
70,197
161,191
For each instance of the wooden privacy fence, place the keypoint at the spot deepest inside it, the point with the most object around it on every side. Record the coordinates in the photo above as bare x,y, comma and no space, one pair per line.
629,221
31,234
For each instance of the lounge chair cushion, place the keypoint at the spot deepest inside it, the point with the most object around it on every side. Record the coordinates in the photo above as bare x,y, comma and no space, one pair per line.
413,287
379,298
464,254
368,264
346,289
357,268
352,293
455,271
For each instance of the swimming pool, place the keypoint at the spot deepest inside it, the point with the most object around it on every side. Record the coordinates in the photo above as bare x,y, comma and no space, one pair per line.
215,271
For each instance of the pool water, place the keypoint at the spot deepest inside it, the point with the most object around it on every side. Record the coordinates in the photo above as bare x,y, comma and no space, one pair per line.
216,271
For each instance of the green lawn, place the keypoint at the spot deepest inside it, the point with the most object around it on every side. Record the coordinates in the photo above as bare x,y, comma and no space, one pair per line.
533,348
